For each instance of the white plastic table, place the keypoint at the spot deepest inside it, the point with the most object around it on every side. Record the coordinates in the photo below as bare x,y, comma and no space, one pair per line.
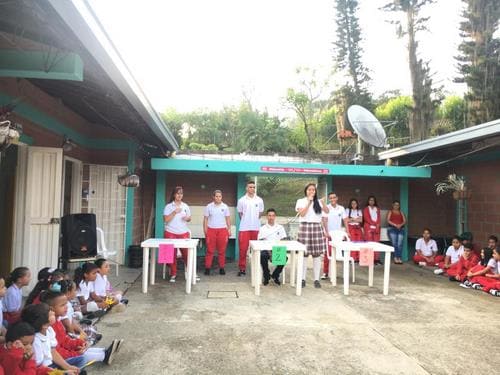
150,262
294,248
347,247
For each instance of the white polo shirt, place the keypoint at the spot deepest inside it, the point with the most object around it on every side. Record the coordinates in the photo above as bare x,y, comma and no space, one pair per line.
454,254
177,225
427,248
494,266
271,232
250,208
42,347
310,216
101,285
334,216
353,214
84,289
216,214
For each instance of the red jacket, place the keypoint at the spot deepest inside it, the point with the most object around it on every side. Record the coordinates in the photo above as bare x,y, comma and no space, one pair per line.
67,347
368,221
464,265
13,363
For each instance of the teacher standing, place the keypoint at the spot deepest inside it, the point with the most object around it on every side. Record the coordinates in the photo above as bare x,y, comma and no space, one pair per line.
311,231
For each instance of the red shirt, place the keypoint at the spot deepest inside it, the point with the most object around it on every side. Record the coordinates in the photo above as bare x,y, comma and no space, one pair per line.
13,363
66,346
396,217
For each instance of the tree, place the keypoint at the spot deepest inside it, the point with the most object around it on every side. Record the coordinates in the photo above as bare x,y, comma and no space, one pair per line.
397,110
422,113
453,110
479,60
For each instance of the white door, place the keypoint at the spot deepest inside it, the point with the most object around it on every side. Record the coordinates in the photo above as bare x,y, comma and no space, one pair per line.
42,208
108,200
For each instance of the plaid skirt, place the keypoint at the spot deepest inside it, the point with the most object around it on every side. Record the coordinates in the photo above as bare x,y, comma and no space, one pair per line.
311,235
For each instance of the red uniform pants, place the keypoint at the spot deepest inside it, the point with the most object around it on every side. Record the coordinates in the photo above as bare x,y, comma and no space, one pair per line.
373,236
216,239
326,261
355,234
437,259
487,283
244,237
184,252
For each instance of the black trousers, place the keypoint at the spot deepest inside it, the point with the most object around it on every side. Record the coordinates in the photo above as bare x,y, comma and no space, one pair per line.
265,256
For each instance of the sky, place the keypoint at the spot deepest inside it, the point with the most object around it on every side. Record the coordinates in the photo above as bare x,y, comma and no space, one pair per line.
197,54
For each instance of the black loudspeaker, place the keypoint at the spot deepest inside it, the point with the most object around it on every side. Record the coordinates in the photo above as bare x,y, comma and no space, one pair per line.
79,238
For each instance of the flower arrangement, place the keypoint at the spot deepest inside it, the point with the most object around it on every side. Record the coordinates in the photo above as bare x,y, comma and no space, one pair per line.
453,183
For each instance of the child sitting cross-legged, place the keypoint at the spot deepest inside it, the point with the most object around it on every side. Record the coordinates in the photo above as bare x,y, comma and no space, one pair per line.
45,277
13,300
16,355
70,347
465,263
452,256
103,289
489,278
90,302
426,250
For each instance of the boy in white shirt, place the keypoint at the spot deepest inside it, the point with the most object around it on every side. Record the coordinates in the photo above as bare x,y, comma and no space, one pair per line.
271,232
426,250
332,221
452,256
250,207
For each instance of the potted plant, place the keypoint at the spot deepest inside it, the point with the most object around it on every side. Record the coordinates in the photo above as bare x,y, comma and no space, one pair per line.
453,183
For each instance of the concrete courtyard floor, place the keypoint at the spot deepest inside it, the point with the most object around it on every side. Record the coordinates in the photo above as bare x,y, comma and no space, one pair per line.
426,325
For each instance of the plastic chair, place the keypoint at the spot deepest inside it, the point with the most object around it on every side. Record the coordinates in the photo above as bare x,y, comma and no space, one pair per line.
339,236
102,250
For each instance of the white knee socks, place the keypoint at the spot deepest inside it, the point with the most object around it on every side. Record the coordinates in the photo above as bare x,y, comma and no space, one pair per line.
316,268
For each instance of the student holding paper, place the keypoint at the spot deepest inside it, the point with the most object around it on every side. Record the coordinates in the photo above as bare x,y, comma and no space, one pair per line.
271,232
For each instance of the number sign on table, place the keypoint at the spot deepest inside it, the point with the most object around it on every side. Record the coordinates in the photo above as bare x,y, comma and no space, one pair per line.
279,255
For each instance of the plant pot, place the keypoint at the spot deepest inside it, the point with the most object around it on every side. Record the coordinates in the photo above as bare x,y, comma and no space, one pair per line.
461,194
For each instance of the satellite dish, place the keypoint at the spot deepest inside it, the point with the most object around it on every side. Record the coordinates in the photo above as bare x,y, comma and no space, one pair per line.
366,125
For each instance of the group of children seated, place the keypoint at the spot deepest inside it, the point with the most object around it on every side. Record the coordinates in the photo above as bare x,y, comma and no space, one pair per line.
462,263
54,333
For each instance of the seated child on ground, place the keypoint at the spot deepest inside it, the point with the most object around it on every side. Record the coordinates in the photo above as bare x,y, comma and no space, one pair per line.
103,289
45,353
16,355
466,262
426,250
45,277
13,300
84,279
70,347
489,281
452,256
3,330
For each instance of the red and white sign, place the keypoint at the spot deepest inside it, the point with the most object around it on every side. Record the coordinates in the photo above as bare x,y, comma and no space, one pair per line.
295,170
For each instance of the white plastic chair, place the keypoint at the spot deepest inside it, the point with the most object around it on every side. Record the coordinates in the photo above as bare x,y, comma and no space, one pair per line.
339,236
102,250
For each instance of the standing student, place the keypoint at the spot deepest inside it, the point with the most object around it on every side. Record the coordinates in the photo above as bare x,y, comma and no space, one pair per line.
217,228
353,220
13,300
332,221
176,215
250,207
270,231
311,231
396,220
452,256
371,223
426,250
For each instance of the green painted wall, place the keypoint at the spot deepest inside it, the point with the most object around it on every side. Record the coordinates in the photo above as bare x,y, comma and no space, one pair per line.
404,202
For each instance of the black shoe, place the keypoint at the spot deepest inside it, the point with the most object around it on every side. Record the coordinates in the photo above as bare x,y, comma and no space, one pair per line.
110,352
222,271
87,322
265,281
303,283
207,271
241,273
97,338
124,301
317,284
452,278
276,280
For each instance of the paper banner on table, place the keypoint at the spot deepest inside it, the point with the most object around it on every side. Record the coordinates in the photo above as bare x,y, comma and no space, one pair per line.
365,257
166,254
279,256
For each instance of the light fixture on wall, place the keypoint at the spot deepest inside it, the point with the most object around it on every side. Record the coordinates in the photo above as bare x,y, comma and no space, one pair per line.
68,144
8,134
129,180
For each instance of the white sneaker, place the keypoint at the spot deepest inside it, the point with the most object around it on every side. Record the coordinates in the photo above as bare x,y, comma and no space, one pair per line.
172,279
465,285
422,264
495,292
439,271
324,277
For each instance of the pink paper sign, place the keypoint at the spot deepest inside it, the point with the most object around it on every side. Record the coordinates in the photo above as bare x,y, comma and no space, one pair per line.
365,257
166,254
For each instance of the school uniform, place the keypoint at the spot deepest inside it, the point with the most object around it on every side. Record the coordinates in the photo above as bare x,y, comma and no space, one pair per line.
13,363
42,347
12,304
488,282
354,229
463,267
334,222
428,249
268,232
177,228
217,234
454,255
371,226
250,209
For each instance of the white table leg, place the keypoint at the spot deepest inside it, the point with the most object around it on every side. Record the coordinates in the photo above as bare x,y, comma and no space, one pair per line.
387,270
300,270
189,270
145,266
347,255
152,266
258,276
333,267
252,266
370,274
195,251
292,268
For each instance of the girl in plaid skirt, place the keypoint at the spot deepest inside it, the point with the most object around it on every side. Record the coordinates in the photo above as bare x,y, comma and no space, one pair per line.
311,230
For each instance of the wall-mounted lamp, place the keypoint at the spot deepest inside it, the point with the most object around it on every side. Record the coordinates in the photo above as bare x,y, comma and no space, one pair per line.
8,134
129,180
68,145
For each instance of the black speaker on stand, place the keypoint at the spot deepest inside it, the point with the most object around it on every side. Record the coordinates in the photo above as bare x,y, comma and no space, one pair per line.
79,238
